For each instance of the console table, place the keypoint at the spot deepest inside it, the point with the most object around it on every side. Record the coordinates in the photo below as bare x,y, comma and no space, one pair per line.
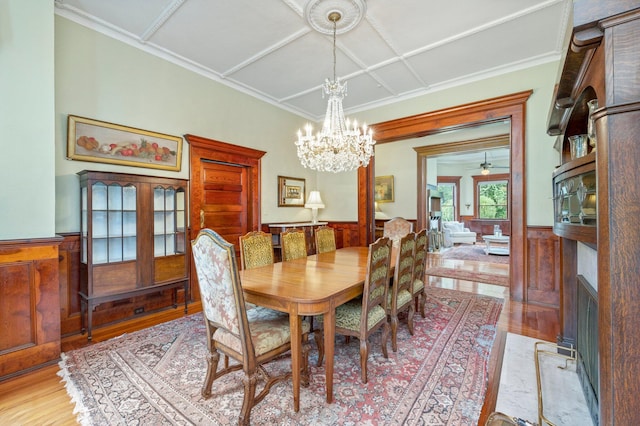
496,244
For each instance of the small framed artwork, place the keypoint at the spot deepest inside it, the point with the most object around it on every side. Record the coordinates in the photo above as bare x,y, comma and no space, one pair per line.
291,191
384,189
102,142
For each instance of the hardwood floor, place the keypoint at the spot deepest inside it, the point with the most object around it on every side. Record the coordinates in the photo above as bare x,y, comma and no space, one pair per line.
39,398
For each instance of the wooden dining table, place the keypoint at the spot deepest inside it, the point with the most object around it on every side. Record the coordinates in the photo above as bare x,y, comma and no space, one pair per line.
314,285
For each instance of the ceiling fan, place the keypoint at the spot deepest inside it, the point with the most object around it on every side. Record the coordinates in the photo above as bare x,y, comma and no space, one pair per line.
485,166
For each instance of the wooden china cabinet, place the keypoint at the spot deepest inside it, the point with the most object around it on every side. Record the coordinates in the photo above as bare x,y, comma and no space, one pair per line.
597,197
133,238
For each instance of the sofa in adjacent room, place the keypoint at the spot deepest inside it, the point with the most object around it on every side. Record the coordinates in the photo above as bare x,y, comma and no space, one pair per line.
455,233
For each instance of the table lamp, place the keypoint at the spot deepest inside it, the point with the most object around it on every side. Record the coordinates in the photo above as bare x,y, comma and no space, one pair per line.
314,202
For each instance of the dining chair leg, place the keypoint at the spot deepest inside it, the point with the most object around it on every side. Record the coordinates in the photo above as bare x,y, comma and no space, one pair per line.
364,354
385,339
319,339
394,333
212,367
410,318
250,384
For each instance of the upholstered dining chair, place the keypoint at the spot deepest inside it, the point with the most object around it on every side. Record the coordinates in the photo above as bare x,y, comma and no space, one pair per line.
361,317
396,228
256,249
325,239
294,244
419,289
252,338
400,298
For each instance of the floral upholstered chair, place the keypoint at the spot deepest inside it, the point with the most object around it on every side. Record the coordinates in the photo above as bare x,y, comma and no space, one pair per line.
420,262
256,249
400,298
252,338
396,228
362,316
325,239
294,244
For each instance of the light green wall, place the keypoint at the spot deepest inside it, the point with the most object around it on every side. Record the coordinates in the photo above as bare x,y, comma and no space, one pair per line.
26,119
104,79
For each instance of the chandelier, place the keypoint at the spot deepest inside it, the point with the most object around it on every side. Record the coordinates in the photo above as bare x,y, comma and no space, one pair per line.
341,145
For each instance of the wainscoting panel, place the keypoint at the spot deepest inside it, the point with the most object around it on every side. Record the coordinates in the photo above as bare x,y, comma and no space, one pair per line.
29,305
543,266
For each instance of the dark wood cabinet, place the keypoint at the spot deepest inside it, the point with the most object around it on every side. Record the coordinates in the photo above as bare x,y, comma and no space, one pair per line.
602,63
132,238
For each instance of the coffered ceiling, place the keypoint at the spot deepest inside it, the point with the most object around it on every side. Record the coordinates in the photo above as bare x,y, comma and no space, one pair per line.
396,50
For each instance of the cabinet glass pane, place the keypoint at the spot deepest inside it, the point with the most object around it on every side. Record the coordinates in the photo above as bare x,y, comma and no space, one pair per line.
169,199
115,197
180,239
84,250
99,250
99,224
115,249
129,198
158,223
158,245
129,223
99,194
170,244
576,200
180,220
129,248
115,223
170,225
158,199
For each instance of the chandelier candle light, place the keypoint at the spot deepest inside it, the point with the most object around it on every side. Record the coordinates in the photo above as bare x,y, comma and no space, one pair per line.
314,202
340,146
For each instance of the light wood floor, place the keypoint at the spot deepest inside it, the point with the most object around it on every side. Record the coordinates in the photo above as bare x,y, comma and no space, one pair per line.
39,398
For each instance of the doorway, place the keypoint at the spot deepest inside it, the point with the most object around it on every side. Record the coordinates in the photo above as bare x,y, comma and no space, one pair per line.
509,107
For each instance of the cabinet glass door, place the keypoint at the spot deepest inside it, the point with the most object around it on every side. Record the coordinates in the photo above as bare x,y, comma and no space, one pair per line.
113,223
168,221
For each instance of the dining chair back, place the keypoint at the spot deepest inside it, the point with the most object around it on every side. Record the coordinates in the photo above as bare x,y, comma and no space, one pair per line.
419,288
396,228
256,249
250,337
294,244
325,239
400,296
363,316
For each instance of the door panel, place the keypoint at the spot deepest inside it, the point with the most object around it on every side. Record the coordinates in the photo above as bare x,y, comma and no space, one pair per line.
225,196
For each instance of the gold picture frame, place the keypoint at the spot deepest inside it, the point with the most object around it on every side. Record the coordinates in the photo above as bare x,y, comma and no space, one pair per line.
384,189
103,142
291,191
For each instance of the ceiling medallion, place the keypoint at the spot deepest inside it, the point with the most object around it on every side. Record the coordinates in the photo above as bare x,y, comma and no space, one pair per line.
351,13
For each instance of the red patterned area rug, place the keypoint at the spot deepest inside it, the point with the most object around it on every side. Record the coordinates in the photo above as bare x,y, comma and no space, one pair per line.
438,376
472,252
469,275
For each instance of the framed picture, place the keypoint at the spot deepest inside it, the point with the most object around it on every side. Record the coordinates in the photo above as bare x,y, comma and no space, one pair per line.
384,189
291,191
102,142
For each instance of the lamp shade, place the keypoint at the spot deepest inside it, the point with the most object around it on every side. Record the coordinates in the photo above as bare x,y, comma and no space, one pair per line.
314,201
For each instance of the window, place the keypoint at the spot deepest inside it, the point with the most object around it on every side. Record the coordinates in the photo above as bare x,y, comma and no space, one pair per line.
449,187
492,198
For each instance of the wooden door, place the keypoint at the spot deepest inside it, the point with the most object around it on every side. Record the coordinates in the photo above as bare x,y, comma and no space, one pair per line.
224,192
225,195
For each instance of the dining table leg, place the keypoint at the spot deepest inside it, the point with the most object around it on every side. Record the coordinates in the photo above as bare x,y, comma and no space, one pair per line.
329,342
295,324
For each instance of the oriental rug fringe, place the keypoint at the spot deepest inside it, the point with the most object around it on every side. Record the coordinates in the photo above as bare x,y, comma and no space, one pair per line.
154,376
